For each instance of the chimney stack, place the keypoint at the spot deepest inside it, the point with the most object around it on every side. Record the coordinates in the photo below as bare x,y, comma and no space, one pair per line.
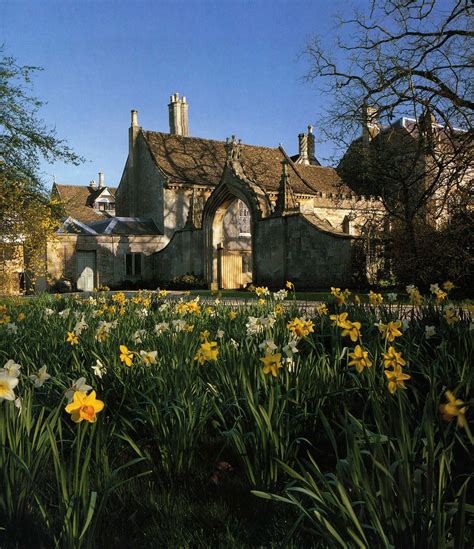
178,115
370,127
311,146
101,180
134,116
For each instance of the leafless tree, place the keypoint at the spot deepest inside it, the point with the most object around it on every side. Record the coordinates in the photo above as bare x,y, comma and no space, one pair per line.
410,58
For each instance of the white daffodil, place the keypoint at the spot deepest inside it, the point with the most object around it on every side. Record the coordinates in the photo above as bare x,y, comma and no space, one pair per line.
281,295
234,343
434,288
289,363
99,369
48,312
254,326
40,377
19,404
405,325
162,327
65,313
139,336
392,297
268,346
179,325
12,328
291,348
220,334
7,384
11,368
148,357
142,313
430,331
79,385
80,326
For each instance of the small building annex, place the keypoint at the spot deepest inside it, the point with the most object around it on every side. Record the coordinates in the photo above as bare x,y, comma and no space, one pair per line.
227,212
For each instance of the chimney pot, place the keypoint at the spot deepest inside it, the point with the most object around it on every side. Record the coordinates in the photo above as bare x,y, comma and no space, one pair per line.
101,180
134,118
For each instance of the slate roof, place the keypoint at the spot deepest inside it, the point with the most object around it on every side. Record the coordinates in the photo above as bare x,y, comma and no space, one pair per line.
198,161
111,226
78,199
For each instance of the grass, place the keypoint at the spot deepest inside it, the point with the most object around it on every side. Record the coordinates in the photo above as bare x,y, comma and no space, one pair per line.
218,453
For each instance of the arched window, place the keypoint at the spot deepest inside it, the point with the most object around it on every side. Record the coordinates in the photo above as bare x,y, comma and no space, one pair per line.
244,219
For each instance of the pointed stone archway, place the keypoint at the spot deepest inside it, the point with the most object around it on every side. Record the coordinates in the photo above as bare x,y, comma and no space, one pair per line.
229,263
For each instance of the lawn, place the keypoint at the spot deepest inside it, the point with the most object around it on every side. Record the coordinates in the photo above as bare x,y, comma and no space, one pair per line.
156,422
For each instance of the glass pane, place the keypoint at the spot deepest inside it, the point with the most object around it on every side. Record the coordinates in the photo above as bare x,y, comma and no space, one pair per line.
138,264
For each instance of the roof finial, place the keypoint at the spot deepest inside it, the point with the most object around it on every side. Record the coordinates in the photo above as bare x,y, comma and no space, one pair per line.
286,201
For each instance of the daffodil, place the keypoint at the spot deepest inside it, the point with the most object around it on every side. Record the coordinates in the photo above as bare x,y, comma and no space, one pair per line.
351,329
391,330
148,357
232,315
271,363
396,379
290,285
339,320
72,338
360,359
375,299
322,309
261,291
301,327
204,336
99,369
79,385
454,408
7,384
11,368
39,378
450,316
126,356
448,285
208,351
84,407
392,359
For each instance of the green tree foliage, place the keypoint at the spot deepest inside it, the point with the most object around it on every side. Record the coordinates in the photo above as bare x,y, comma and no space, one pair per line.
27,216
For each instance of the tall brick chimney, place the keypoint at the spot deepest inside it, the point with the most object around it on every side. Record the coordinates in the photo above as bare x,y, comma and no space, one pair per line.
178,115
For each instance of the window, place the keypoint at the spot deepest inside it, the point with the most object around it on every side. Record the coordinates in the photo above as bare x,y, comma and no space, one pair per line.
244,220
133,264
104,206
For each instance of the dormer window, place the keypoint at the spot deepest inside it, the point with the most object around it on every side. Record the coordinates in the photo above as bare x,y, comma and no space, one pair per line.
104,206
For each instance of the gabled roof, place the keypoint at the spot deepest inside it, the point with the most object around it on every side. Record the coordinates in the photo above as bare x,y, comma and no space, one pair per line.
197,161
77,201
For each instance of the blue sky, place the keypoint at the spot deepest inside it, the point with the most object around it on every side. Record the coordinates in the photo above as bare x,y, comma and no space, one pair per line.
237,62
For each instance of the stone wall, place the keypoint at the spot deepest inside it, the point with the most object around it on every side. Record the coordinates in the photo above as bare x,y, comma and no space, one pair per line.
290,248
110,256
183,255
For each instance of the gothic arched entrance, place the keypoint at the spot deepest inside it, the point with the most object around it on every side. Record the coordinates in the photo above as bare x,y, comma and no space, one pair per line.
229,250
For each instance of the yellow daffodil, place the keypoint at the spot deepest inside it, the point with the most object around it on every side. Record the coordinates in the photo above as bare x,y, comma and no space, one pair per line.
279,309
193,307
232,315
441,296
396,379
301,327
72,338
357,299
204,336
339,320
448,285
21,317
375,299
360,359
84,407
454,408
392,359
322,309
207,351
351,329
261,290
271,363
126,356
290,285
450,316
391,330
188,328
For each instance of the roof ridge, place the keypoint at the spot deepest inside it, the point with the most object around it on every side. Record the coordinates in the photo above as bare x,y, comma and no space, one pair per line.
211,140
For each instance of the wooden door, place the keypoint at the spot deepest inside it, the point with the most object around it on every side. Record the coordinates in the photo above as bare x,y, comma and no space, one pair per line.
86,271
230,271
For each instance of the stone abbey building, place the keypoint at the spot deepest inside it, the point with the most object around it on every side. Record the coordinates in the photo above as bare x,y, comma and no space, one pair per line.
227,212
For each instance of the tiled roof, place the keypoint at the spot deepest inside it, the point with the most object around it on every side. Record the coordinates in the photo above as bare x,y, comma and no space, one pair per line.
199,161
75,199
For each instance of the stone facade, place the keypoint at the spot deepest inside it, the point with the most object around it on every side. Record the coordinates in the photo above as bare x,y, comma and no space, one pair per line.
227,212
